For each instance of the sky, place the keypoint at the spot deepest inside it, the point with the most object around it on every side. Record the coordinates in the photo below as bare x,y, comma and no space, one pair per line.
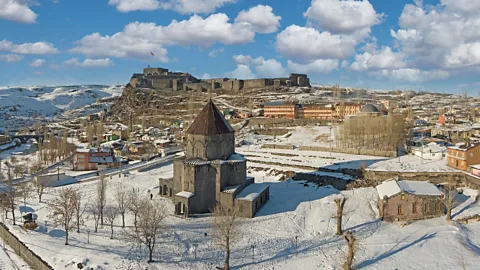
429,45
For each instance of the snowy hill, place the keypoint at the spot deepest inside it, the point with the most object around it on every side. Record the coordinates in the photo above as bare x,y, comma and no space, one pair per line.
18,105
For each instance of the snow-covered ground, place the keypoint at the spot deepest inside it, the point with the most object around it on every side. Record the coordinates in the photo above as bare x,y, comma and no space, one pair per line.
320,136
9,260
411,163
19,104
314,159
294,230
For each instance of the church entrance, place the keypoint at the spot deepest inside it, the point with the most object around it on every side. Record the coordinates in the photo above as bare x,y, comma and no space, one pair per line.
181,209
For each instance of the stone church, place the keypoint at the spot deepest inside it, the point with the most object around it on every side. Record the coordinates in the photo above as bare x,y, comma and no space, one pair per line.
211,172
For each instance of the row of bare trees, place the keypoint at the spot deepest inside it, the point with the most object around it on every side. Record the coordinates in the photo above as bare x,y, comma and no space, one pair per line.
53,148
373,132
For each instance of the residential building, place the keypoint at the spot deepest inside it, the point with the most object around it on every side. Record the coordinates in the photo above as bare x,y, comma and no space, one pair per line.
341,110
403,200
431,151
463,155
211,172
280,109
316,111
87,159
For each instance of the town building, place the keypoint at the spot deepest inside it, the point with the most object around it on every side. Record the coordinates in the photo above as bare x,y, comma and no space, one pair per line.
430,151
316,111
463,155
88,159
404,200
211,172
280,109
341,110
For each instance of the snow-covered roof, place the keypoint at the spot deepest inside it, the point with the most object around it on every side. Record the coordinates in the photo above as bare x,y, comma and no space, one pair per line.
230,189
185,194
388,188
252,191
237,157
392,187
102,160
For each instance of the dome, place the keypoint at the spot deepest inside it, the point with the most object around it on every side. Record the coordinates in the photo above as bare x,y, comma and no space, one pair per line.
369,108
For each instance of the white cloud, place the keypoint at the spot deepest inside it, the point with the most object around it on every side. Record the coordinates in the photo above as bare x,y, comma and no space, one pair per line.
89,63
270,68
214,53
444,36
383,59
306,44
247,60
134,5
241,72
413,74
318,66
194,6
261,18
37,63
17,10
11,58
206,76
28,48
138,39
343,16
180,6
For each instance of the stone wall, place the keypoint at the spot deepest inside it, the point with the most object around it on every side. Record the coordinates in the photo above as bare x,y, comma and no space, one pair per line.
278,146
161,83
366,152
283,122
33,260
322,180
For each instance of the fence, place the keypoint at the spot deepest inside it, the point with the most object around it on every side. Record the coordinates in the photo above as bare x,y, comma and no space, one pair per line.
33,260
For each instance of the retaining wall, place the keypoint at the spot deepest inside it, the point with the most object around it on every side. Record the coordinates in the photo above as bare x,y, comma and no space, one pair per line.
366,152
33,260
278,146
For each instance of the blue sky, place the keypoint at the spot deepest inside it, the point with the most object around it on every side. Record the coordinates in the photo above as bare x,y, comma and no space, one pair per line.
376,44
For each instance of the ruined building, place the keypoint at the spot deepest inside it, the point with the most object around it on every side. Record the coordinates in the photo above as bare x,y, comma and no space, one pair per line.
162,79
211,172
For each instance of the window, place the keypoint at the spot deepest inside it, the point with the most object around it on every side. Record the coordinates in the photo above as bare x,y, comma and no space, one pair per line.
414,208
403,197
400,210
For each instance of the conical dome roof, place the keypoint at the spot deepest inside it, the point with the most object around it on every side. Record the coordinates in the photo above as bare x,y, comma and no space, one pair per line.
210,121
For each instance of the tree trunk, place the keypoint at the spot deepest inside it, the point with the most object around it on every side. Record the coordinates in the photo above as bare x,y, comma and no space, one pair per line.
13,214
339,222
449,212
350,239
150,254
66,236
101,217
78,224
111,228
227,255
123,220
135,221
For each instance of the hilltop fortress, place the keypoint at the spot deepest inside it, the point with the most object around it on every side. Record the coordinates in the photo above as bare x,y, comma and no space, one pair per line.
163,79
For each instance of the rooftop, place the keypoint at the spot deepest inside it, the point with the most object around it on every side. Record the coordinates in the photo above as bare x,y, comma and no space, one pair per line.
252,191
369,108
210,121
393,187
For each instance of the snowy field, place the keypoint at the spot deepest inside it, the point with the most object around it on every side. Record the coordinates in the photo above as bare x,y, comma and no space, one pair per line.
320,136
294,230
411,163
313,159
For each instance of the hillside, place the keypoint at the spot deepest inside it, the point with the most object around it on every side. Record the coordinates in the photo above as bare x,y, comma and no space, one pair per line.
18,105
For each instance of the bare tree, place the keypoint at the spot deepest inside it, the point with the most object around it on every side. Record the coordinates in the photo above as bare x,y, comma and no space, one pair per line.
351,248
135,204
25,191
450,192
101,195
224,225
150,225
95,214
63,210
121,197
111,213
340,202
39,188
12,192
79,209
